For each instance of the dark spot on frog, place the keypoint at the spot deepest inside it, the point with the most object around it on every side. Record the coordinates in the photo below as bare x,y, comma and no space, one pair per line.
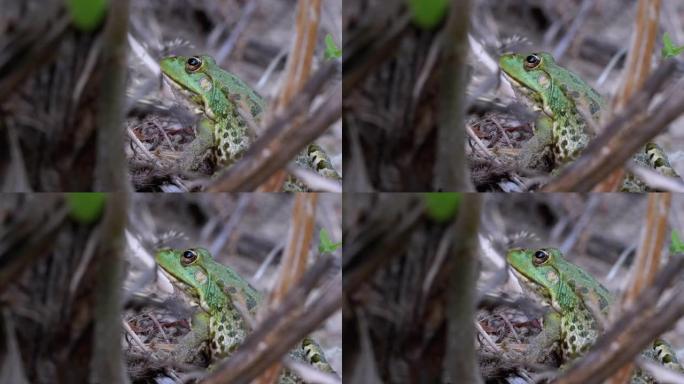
221,339
251,303
220,328
256,110
584,290
236,317
575,95
594,107
660,163
603,303
223,318
562,113
564,132
232,290
583,333
580,327
576,138
667,359
564,143
571,283
572,328
572,338
225,134
584,348
315,359
232,334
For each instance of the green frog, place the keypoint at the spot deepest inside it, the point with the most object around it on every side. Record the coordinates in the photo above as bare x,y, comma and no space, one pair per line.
579,304
566,104
224,299
230,109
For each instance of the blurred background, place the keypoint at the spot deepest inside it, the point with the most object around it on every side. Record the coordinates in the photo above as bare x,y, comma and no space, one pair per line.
400,54
415,263
60,273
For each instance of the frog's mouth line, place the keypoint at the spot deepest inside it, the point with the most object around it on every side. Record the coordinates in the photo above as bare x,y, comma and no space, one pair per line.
182,286
184,91
517,85
531,286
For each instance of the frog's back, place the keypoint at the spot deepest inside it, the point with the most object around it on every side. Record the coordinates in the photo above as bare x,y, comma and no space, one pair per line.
238,91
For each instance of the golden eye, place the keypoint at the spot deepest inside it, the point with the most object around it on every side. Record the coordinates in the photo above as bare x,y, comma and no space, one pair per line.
532,61
193,64
188,257
540,257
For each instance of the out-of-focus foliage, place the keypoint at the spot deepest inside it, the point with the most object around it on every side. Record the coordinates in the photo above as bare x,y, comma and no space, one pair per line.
325,244
442,206
676,246
428,13
87,14
85,207
669,48
332,51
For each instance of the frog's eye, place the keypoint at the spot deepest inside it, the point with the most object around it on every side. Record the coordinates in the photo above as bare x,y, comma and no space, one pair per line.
540,257
193,64
532,61
188,257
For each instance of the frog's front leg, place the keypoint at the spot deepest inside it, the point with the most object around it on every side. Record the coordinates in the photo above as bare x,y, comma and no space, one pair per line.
189,344
536,153
196,151
541,344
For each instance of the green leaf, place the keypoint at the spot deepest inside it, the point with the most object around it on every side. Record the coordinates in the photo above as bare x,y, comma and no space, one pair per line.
676,246
669,48
428,14
331,50
87,15
325,244
86,208
442,206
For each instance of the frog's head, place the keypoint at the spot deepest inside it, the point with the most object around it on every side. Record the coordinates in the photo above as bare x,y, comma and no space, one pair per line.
531,74
188,269
538,267
191,73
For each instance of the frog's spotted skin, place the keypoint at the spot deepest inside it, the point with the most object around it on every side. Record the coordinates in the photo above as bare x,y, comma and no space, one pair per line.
578,302
566,103
223,297
230,108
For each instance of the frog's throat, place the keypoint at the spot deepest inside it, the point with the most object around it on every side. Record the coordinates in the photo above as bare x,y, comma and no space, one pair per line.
178,86
186,288
537,290
528,96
